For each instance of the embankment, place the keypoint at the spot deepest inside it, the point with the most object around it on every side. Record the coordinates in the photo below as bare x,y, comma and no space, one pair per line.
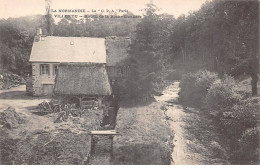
145,136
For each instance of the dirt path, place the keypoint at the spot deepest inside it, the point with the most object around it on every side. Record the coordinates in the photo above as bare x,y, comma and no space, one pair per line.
24,105
39,140
195,140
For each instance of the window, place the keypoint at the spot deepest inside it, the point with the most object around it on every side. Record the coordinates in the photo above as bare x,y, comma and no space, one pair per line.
55,69
45,69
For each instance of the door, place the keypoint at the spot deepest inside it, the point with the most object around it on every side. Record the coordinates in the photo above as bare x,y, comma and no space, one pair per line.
47,89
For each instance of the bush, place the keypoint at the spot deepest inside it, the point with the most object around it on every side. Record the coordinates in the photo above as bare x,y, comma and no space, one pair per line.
138,92
248,149
240,125
9,80
194,87
237,113
186,92
242,116
222,95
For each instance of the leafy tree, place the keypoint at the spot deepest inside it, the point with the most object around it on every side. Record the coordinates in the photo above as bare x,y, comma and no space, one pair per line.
149,42
222,36
15,47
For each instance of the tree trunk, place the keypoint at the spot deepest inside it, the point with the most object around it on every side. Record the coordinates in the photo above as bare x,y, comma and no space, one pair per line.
253,70
183,53
216,65
254,81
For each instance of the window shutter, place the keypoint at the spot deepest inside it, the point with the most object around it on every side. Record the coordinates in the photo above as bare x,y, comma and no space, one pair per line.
40,69
48,69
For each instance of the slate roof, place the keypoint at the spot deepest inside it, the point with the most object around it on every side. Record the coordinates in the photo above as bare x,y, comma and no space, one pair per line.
69,49
110,50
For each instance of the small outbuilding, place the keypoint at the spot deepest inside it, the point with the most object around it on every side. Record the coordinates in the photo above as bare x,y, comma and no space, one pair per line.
83,81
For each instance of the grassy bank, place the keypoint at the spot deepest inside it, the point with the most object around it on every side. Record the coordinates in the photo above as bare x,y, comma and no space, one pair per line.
145,136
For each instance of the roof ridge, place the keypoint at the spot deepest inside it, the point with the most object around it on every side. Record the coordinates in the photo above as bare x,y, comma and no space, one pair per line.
76,37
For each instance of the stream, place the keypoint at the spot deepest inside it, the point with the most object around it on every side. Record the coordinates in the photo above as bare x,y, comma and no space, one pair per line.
195,138
176,114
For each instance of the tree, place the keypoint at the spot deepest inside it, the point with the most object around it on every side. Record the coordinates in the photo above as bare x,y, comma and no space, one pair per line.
222,36
16,42
146,60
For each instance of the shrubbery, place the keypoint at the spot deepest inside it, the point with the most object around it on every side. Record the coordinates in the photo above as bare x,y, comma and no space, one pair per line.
194,87
248,151
235,112
240,124
9,80
242,116
222,94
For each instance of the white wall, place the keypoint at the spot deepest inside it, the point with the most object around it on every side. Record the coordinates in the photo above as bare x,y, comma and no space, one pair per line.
39,80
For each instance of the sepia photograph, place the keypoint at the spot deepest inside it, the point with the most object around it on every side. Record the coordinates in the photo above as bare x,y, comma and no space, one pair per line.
129,82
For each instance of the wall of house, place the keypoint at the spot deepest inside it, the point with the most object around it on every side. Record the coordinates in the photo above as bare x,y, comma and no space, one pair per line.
117,72
116,49
36,83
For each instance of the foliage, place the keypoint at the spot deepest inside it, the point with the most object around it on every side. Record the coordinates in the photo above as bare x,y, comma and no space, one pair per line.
221,33
222,94
146,58
194,87
9,80
121,27
235,114
241,125
248,151
242,116
221,36
16,37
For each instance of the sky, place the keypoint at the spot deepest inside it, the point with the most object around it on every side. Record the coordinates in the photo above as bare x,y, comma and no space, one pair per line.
17,8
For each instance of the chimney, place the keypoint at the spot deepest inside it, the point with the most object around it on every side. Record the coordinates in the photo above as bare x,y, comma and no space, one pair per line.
38,31
38,35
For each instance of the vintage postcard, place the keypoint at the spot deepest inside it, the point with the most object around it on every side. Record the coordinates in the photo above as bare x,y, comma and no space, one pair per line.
129,82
